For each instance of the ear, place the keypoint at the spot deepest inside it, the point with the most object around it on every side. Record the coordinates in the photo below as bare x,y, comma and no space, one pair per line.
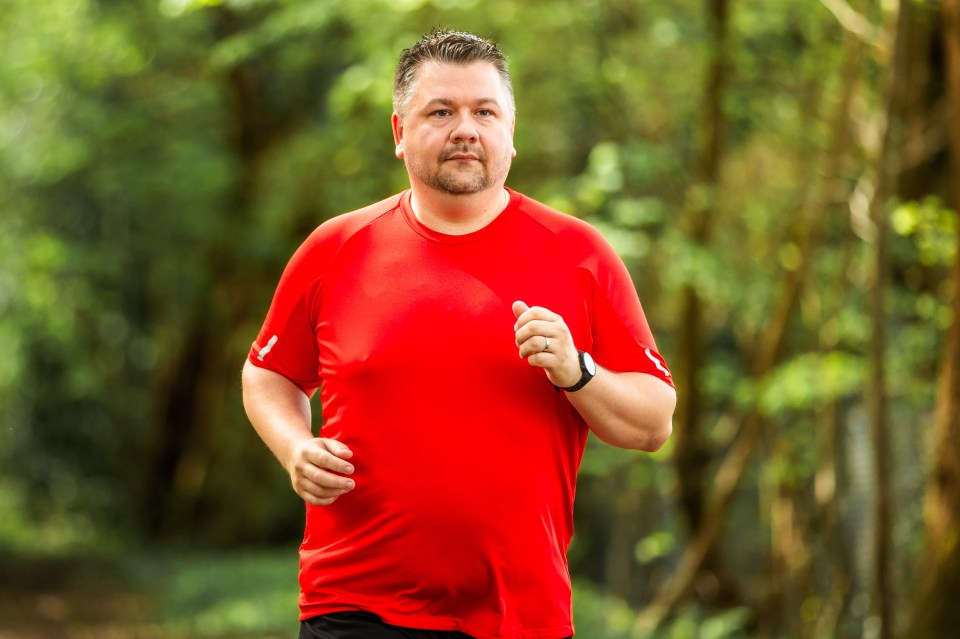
513,124
397,125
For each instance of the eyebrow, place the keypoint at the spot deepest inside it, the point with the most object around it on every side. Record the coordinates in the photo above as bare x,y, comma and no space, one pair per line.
448,102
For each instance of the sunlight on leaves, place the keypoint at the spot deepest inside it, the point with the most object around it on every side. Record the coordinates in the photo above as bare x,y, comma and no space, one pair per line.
810,379
931,225
655,546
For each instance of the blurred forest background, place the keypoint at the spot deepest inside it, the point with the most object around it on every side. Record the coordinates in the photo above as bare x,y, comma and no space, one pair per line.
781,176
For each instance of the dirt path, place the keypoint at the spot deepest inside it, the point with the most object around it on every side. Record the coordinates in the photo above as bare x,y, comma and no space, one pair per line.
74,614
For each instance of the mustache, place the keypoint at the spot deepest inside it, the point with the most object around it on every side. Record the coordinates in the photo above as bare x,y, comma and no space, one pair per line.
465,149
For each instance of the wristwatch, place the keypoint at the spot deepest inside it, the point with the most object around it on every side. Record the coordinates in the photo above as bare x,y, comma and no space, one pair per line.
588,369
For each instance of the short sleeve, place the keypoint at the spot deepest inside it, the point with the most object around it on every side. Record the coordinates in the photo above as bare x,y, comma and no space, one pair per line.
622,339
287,342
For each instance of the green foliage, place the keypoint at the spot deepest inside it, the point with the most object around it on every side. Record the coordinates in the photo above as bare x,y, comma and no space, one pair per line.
601,616
244,594
933,228
655,546
159,160
811,380
728,625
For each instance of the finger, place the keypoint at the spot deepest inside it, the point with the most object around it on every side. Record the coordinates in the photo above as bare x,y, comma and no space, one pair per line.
314,484
317,494
338,448
326,480
541,329
318,500
519,308
306,489
534,313
322,456
542,360
537,345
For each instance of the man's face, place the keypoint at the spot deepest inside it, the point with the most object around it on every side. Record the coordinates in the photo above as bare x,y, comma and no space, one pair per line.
457,134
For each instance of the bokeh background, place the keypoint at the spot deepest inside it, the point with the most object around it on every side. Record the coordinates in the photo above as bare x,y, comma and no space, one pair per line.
781,177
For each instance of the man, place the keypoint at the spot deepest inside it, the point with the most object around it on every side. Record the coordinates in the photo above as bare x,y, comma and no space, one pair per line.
451,330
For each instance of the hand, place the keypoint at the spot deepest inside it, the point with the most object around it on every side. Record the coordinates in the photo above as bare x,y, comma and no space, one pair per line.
560,361
314,467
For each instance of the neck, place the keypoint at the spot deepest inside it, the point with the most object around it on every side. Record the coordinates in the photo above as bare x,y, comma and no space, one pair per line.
458,214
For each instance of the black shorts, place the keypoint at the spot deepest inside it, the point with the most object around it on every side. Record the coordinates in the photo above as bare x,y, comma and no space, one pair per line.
364,625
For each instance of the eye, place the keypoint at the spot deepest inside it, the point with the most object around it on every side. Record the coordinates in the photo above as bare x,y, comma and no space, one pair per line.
485,113
440,113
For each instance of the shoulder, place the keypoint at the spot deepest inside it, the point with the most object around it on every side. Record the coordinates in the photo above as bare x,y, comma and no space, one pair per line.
323,244
341,228
315,255
575,235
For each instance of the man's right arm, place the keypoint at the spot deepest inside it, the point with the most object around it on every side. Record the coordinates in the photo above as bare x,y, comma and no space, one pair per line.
280,413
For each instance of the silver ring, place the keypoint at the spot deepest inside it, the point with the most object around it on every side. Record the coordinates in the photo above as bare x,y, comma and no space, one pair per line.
546,347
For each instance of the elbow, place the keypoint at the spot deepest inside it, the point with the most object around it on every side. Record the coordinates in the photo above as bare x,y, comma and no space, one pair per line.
646,437
643,423
657,438
652,433
663,424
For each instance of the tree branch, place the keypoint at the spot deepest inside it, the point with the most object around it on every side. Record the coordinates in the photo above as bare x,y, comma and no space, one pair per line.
857,24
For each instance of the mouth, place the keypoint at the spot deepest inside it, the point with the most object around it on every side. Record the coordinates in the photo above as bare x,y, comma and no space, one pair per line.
463,154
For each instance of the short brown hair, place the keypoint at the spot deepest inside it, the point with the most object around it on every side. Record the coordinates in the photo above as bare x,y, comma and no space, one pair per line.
453,47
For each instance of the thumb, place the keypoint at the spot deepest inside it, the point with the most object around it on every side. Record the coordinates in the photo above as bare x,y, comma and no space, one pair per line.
519,308
339,449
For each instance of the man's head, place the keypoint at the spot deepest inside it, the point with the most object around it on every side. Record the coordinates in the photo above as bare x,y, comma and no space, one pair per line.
451,47
453,118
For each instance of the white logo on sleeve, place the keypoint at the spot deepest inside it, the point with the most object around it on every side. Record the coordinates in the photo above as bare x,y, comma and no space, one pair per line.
266,349
653,359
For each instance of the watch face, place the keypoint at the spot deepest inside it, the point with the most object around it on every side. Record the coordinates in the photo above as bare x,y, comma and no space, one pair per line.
589,364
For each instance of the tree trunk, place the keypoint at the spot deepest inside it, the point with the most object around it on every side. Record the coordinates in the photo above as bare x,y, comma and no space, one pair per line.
692,455
877,398
618,556
190,394
828,487
766,355
836,568
935,611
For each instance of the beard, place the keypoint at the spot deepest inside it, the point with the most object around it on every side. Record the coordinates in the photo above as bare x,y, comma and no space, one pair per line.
455,179
460,184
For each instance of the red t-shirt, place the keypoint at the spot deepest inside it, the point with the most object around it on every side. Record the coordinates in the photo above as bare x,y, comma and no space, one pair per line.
466,456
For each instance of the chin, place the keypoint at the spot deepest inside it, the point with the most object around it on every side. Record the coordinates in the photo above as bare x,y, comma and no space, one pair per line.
461,187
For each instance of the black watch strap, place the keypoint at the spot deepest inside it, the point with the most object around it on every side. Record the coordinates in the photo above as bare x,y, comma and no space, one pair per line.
588,370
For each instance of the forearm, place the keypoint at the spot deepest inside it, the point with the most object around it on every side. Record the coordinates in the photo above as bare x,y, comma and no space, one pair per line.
278,410
280,413
627,410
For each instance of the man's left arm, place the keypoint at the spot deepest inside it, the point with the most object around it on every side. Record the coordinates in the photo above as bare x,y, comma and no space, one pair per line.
627,410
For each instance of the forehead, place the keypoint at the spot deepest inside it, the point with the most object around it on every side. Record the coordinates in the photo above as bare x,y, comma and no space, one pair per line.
473,81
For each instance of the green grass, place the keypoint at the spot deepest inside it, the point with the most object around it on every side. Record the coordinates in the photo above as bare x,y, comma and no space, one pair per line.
169,594
216,594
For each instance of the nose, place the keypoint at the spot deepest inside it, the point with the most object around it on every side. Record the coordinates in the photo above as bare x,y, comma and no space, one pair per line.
464,130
